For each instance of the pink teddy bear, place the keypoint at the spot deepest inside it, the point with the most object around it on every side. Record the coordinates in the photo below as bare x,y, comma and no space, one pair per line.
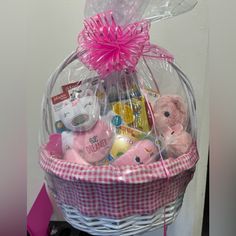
142,152
176,141
169,110
170,113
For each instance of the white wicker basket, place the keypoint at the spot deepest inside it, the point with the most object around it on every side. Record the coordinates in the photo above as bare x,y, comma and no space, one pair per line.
132,225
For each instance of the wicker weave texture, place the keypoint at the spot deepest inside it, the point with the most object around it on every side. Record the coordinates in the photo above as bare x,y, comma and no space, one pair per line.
132,225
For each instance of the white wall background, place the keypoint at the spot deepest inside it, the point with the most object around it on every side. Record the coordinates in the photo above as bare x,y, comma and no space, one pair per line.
52,29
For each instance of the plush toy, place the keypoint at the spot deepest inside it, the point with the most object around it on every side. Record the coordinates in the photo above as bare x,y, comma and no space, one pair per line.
176,141
169,110
142,152
90,136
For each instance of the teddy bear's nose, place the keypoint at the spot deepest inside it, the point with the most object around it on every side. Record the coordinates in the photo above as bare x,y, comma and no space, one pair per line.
166,114
80,119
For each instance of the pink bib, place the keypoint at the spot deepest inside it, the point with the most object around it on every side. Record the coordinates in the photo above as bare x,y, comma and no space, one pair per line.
92,145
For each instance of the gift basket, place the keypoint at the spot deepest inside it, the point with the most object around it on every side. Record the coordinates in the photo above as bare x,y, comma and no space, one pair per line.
118,136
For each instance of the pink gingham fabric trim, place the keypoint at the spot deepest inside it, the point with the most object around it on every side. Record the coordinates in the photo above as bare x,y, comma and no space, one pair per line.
123,174
119,200
118,192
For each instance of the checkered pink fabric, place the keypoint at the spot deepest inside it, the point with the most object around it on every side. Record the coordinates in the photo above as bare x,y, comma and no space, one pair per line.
118,192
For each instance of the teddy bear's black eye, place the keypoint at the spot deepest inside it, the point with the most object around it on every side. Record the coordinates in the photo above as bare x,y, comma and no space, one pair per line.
166,114
137,159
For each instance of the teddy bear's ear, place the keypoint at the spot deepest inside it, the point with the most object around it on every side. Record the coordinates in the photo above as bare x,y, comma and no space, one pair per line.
180,105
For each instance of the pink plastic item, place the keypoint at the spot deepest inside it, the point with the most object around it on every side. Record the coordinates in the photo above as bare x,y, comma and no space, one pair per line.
40,214
177,141
54,145
93,145
142,152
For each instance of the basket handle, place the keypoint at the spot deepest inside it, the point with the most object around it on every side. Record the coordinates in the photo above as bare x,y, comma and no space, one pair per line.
192,127
47,125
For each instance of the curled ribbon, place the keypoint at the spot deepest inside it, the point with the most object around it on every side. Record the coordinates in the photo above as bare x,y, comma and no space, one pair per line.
107,47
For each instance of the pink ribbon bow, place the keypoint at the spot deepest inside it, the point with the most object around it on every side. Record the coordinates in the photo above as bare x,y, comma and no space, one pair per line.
107,47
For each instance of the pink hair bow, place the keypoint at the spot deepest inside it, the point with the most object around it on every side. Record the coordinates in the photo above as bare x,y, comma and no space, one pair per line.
107,47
